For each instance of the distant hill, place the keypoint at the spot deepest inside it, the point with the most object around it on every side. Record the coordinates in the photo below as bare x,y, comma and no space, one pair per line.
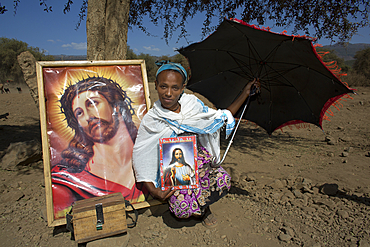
348,50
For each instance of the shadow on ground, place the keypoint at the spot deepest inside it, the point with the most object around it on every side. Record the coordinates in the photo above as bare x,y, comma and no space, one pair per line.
18,134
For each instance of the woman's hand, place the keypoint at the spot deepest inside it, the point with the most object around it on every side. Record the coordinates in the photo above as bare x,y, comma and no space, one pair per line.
234,107
256,83
162,195
158,193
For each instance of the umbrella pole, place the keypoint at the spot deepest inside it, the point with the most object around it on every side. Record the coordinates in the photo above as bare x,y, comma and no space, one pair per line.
232,138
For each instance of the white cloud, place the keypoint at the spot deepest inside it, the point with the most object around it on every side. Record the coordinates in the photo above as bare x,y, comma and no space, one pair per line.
76,46
151,48
54,41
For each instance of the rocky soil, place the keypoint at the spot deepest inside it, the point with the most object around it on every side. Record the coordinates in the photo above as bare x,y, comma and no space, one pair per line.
297,187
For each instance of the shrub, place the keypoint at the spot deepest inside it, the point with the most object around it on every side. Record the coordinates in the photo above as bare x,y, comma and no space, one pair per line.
354,79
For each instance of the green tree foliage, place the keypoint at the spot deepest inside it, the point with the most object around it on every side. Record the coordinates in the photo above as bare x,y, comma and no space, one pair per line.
362,63
165,58
9,50
130,54
151,67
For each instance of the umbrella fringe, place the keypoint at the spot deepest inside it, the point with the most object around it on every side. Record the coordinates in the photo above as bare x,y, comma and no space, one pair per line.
268,29
326,112
337,71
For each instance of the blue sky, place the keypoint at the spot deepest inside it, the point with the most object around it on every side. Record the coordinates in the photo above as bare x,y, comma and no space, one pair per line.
55,32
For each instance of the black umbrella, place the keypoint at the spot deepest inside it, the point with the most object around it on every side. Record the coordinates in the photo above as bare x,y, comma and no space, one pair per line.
295,84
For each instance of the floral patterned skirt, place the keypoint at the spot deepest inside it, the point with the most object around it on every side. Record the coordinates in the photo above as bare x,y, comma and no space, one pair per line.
214,183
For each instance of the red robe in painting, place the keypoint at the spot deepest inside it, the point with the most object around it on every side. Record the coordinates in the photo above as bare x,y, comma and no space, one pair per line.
70,187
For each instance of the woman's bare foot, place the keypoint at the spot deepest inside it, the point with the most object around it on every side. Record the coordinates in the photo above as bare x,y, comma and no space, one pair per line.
209,220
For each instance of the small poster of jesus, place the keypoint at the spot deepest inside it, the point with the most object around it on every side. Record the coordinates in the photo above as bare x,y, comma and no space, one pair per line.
178,162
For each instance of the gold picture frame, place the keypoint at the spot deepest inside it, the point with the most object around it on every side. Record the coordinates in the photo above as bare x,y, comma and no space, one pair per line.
89,114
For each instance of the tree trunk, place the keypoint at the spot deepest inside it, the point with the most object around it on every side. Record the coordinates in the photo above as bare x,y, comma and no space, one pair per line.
106,29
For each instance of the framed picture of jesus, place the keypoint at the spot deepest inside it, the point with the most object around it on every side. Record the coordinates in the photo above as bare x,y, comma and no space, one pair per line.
90,112
178,162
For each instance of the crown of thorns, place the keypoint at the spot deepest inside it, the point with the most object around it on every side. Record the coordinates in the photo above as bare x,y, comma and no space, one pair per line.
111,90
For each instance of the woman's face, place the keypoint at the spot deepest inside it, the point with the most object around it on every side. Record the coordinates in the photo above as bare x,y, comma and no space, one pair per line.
178,154
169,87
93,113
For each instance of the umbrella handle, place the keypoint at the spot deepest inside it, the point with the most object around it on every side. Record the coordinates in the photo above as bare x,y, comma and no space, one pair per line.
214,164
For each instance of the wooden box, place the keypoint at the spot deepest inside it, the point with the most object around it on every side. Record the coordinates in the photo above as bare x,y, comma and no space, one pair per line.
88,222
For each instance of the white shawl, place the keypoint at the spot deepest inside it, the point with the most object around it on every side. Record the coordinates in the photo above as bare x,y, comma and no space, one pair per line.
159,122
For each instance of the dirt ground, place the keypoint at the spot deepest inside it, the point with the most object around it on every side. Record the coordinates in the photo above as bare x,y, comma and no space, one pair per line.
297,187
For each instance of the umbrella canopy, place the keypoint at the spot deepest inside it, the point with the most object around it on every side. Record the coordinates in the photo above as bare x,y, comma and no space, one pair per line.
295,84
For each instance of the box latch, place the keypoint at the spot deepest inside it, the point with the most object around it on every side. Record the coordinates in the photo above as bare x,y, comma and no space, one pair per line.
99,216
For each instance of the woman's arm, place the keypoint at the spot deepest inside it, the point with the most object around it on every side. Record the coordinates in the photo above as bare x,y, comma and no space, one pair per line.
234,107
158,193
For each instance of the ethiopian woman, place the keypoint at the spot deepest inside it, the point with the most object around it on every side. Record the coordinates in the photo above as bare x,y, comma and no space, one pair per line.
177,113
